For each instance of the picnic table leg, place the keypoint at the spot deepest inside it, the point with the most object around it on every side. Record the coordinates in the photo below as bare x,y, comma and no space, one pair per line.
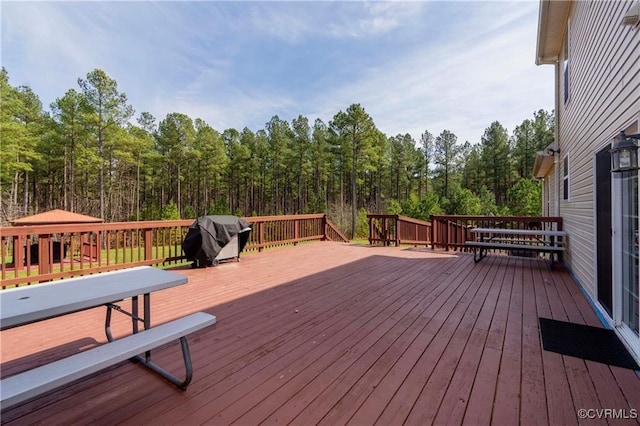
134,317
146,359
186,355
476,258
147,320
134,311
107,325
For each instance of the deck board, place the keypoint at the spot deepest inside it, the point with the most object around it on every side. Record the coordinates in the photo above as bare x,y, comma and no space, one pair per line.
533,397
431,400
484,387
331,333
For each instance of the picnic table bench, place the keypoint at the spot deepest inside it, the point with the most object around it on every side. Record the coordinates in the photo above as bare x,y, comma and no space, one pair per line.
525,240
25,305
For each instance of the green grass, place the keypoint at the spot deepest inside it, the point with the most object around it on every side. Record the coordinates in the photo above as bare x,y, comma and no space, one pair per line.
115,256
360,241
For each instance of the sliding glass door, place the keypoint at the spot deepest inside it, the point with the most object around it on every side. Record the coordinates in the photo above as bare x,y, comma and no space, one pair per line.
630,299
627,280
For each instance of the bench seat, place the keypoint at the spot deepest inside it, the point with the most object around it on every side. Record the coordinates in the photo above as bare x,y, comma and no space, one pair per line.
31,383
484,246
507,246
516,241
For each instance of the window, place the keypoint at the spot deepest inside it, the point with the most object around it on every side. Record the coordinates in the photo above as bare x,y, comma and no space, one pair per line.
565,65
566,80
565,178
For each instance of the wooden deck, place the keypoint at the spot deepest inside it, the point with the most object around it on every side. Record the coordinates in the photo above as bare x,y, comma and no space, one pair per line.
330,333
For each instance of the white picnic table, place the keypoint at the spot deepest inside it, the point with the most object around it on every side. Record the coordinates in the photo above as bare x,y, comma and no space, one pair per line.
26,305
533,240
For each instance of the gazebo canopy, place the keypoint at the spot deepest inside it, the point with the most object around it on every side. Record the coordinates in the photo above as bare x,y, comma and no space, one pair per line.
55,217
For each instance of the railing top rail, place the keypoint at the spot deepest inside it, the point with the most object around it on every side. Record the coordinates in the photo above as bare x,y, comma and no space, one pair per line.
10,231
398,217
412,220
499,218
87,227
256,219
119,245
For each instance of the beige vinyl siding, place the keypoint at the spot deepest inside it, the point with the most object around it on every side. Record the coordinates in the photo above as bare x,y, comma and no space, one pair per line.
604,75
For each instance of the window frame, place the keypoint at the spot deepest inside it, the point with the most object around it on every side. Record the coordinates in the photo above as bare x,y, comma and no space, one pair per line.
566,66
566,181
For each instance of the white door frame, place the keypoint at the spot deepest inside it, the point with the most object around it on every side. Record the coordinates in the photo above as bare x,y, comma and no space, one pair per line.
630,338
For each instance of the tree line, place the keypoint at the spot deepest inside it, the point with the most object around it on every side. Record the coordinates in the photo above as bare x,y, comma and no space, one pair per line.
91,154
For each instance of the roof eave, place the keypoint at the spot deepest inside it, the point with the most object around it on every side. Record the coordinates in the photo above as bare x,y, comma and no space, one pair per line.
552,21
542,164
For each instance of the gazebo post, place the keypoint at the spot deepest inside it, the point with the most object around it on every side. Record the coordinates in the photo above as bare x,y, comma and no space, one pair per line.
44,254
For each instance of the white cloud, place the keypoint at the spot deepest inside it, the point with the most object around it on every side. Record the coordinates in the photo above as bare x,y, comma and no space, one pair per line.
379,18
283,24
227,108
296,22
459,86
33,42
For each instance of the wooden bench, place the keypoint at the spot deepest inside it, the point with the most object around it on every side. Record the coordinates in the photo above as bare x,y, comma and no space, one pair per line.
23,386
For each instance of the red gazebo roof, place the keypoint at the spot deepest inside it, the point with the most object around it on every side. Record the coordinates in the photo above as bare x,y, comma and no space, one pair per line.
56,217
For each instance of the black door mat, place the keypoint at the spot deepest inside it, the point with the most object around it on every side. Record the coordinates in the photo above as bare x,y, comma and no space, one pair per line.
586,342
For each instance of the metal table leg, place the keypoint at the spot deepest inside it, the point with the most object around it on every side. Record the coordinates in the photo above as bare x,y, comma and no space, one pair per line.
146,359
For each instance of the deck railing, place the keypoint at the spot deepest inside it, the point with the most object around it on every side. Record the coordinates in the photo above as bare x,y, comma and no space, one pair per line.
451,232
387,229
31,254
446,232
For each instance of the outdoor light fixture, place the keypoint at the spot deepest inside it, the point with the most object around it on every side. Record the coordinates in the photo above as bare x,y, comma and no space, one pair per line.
552,151
624,154
632,16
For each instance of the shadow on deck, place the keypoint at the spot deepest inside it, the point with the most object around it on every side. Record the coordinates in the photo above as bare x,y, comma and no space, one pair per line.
334,333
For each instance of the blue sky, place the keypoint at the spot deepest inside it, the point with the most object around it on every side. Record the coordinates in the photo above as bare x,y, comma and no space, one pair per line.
414,66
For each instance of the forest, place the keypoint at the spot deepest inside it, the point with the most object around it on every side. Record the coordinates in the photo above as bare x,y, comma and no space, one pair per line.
91,153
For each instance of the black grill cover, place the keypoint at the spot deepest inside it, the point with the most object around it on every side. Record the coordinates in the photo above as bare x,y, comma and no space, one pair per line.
209,234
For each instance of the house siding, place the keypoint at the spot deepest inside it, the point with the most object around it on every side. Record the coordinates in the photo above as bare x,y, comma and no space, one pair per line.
604,98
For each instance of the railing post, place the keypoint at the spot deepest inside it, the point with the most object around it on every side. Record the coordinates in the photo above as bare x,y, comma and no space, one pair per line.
370,228
260,236
148,244
296,231
559,228
387,232
433,233
324,228
446,238
397,219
